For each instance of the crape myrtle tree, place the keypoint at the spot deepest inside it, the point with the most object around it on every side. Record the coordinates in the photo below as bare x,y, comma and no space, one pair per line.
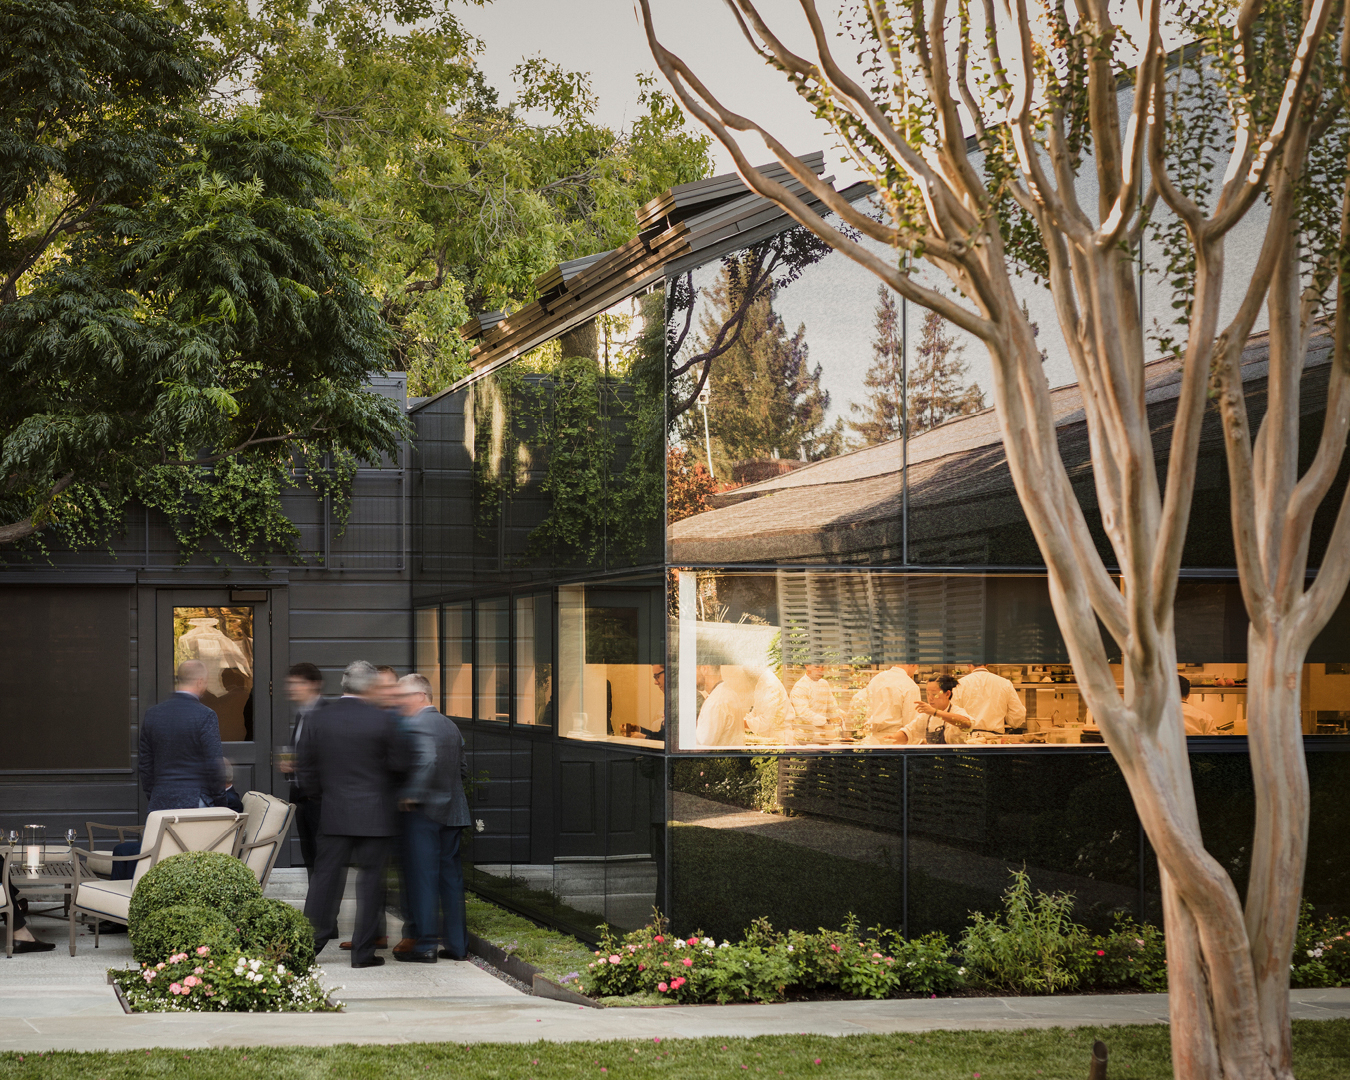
1040,89
182,321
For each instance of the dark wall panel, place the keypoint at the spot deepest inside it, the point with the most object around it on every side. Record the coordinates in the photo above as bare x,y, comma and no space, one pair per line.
67,669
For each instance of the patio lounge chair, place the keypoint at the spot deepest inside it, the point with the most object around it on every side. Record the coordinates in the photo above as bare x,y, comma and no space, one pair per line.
6,904
269,820
100,861
167,833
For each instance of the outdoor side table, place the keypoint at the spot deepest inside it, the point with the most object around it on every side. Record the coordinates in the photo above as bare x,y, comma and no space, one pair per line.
53,880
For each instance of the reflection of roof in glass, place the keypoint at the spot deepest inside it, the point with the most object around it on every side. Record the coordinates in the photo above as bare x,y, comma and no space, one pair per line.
850,505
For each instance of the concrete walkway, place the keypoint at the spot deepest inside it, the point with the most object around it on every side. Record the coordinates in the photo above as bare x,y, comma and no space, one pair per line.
53,1001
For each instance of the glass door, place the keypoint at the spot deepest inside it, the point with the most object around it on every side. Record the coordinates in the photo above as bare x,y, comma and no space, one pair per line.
229,631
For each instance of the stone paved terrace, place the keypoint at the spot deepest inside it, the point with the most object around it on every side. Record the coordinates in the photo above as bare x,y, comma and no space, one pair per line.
53,1001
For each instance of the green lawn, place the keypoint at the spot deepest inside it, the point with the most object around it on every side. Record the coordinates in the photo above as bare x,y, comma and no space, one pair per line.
1321,1052
553,953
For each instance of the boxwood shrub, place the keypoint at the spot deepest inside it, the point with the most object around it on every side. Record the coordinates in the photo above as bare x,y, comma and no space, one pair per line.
275,930
181,928
194,879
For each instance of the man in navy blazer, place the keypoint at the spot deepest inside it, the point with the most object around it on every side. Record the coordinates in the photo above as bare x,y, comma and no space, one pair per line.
351,760
180,761
180,755
435,813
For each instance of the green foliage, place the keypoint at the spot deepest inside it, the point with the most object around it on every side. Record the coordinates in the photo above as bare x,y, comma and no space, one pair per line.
277,932
181,928
183,320
1032,946
193,879
1321,951
1132,956
471,201
766,964
556,955
1138,1051
207,979
596,428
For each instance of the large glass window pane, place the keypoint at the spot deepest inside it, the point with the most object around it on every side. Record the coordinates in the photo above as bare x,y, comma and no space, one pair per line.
736,857
534,660
862,658
611,678
222,639
492,646
784,409
427,649
459,660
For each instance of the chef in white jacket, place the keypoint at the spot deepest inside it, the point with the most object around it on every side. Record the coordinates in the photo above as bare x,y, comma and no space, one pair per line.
991,700
771,715
888,702
813,699
938,719
720,718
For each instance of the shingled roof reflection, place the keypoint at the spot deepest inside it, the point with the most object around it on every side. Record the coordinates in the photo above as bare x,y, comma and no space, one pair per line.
848,508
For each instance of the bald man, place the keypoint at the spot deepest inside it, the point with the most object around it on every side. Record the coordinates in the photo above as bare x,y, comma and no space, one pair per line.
180,754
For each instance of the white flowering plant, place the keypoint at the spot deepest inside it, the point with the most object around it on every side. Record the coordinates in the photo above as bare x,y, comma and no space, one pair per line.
213,980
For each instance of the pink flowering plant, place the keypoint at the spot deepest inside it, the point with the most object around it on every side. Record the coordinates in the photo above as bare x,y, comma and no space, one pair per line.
210,979
765,965
1132,956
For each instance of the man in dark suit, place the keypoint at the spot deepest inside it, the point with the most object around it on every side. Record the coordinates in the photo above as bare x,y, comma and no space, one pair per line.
351,759
304,686
434,815
180,758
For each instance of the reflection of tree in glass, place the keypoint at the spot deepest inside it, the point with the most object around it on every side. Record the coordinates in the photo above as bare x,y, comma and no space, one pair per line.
766,398
772,263
937,389
881,419
688,485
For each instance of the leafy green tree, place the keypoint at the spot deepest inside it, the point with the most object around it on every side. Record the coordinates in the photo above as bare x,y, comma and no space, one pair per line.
882,420
937,385
469,201
765,398
184,321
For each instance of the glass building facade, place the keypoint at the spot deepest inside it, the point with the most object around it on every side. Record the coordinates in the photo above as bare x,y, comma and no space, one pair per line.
712,530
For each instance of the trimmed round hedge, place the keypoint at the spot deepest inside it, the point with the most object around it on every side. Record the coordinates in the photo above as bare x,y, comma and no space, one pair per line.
181,928
274,929
208,879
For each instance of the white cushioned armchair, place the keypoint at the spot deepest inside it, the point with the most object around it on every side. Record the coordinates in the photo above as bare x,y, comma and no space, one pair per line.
167,833
269,820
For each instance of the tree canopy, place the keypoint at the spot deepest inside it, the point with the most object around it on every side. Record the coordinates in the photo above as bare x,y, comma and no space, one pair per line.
471,198
220,220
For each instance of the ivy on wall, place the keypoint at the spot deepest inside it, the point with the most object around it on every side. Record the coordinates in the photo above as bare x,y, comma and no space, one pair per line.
570,413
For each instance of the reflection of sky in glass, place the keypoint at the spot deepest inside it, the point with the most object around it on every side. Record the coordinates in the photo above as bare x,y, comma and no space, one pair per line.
835,300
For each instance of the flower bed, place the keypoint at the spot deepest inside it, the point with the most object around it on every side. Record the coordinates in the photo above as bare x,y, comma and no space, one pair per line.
765,965
209,980
1031,946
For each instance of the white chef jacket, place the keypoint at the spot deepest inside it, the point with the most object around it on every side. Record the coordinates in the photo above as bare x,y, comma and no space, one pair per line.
771,712
890,699
813,702
918,728
719,721
1198,722
990,700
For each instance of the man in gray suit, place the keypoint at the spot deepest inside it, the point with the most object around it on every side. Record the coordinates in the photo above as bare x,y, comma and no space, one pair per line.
351,760
435,813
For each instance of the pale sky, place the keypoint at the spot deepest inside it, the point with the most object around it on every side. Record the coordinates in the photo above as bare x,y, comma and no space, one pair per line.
605,38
